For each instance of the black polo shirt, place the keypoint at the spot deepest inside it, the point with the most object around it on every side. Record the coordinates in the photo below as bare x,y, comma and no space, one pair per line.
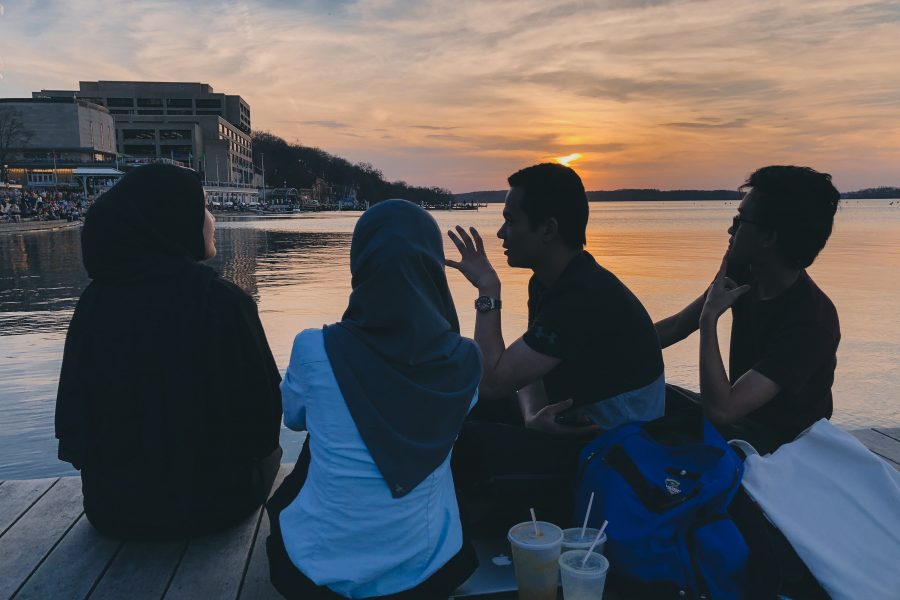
598,328
792,339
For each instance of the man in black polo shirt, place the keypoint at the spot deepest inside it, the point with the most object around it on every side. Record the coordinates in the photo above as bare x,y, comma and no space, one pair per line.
590,358
785,330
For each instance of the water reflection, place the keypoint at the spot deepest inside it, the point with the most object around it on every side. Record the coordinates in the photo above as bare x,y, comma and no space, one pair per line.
297,269
280,258
40,280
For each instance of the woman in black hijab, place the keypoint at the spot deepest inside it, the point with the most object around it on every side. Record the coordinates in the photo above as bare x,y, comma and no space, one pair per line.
168,398
383,394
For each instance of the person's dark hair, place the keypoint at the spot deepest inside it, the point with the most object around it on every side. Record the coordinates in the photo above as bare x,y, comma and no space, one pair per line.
799,203
551,190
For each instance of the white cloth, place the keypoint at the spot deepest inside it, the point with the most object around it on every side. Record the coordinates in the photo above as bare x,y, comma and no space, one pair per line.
839,507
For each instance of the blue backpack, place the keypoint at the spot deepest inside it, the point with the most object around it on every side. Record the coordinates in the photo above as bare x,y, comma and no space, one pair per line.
664,486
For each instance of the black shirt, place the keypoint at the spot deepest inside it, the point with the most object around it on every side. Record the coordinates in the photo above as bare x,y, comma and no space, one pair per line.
600,330
792,339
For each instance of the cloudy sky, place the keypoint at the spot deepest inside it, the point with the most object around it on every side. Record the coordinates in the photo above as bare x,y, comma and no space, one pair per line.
460,94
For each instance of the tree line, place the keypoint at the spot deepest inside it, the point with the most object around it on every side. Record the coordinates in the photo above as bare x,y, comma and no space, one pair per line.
298,166
878,193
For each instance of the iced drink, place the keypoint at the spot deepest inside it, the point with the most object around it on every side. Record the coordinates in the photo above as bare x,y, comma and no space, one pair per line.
583,583
536,559
573,540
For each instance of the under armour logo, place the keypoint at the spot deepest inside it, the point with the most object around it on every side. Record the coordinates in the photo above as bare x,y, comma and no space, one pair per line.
673,486
399,489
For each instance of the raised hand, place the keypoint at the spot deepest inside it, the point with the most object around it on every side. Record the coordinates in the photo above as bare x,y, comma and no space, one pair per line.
722,295
474,263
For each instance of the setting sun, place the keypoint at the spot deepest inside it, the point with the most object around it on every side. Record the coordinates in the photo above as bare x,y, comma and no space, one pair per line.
566,160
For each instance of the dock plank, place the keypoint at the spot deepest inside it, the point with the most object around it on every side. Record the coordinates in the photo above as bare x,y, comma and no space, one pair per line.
894,434
17,496
880,444
73,567
256,584
213,566
140,571
34,535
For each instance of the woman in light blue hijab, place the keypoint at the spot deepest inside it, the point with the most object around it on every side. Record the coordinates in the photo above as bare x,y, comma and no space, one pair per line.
370,509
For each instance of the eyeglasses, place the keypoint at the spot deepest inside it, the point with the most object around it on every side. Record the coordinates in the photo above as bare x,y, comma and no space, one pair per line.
738,219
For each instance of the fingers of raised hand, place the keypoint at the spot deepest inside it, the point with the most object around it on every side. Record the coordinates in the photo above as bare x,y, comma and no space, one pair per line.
453,264
457,242
479,243
741,290
729,283
720,274
466,238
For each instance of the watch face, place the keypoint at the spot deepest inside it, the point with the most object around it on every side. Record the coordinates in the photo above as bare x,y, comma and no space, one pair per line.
486,304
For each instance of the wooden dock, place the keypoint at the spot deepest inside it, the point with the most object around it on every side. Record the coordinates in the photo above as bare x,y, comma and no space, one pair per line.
49,550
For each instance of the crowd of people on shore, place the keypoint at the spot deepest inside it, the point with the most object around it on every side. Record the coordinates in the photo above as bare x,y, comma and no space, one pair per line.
18,206
419,438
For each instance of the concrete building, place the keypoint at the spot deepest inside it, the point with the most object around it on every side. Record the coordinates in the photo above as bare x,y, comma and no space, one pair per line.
57,141
186,122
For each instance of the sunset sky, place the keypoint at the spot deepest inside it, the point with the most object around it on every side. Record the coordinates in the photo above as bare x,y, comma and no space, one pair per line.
460,94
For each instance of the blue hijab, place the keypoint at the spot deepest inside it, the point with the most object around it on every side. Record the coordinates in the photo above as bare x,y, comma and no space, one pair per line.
406,374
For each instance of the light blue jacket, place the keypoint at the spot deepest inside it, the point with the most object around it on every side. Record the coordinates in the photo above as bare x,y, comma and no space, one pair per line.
345,530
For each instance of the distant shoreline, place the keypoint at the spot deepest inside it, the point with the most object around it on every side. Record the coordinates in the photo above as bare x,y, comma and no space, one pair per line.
638,195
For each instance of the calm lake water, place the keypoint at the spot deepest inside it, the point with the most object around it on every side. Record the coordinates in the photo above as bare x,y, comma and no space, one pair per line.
297,269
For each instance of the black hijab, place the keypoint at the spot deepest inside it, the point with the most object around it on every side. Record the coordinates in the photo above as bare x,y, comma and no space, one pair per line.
150,223
406,374
168,393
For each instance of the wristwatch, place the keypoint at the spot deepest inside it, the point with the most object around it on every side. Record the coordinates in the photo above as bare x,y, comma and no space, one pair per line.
485,304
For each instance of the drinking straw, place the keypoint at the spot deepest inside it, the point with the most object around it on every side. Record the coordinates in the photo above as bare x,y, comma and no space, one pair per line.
534,521
587,514
596,539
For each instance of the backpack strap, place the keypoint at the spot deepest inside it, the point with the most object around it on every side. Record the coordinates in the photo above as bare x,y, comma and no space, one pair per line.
652,497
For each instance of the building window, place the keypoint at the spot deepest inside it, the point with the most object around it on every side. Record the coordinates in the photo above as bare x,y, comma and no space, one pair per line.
210,112
140,150
120,112
150,102
139,134
182,153
41,178
179,111
129,102
174,134
207,103
150,112
179,103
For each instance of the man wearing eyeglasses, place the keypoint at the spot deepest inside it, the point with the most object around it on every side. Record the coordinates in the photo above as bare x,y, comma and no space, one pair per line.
785,330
